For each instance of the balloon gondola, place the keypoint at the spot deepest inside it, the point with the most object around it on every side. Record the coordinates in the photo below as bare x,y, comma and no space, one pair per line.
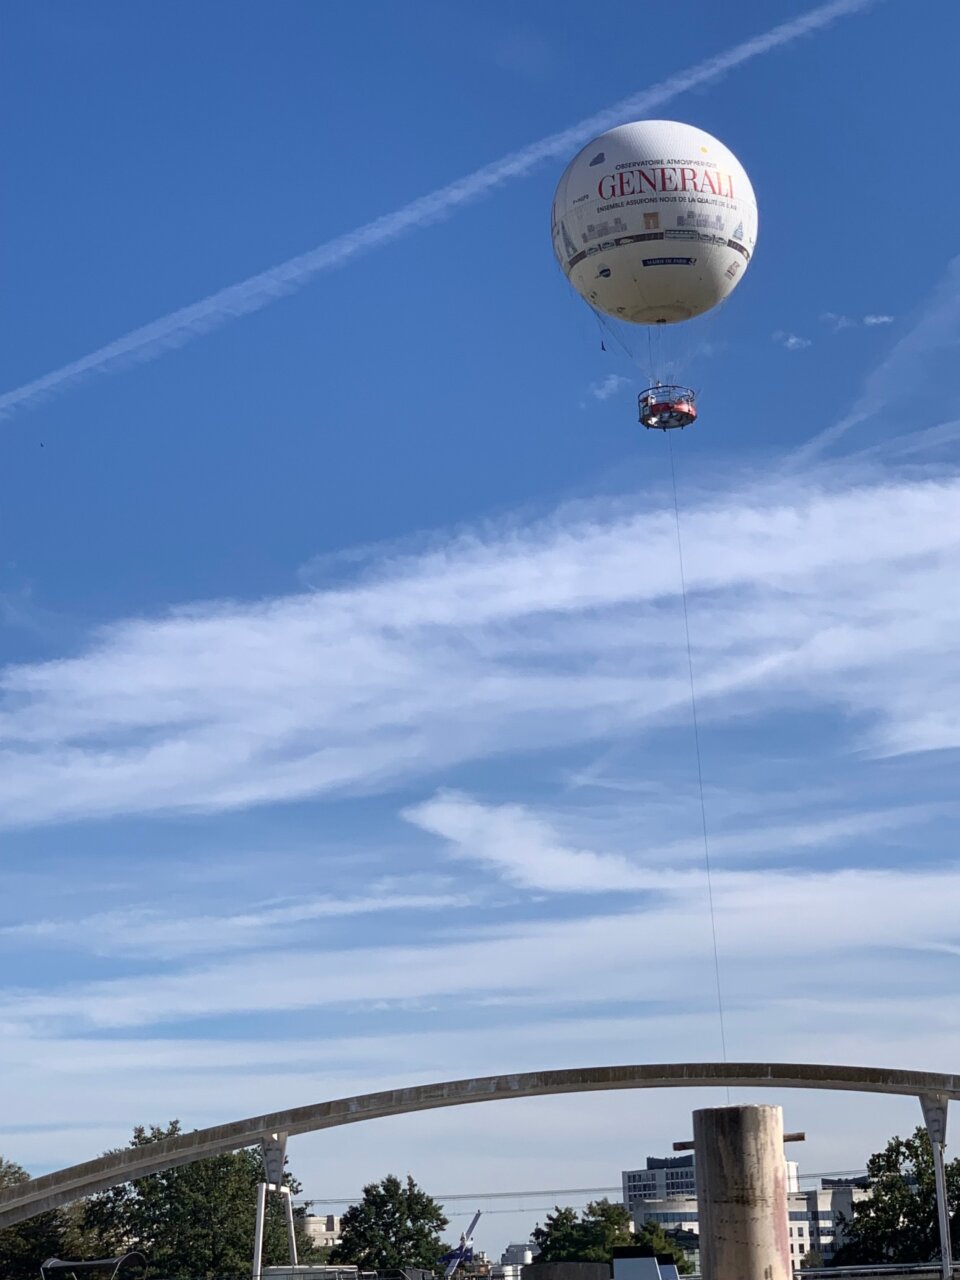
665,408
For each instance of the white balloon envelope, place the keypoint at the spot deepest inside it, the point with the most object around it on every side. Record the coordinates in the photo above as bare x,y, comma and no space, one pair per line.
654,222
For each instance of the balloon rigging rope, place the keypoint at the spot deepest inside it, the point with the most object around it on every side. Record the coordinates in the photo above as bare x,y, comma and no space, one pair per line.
613,335
696,740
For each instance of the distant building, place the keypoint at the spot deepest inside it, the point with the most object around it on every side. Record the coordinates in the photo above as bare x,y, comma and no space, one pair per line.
513,1259
323,1230
477,1266
666,1177
689,1243
662,1178
508,1270
813,1217
518,1254
674,1213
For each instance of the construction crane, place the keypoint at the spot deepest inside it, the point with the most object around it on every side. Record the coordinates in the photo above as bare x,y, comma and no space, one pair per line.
464,1250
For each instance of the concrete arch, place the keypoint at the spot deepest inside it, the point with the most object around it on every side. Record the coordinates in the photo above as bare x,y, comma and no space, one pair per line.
54,1189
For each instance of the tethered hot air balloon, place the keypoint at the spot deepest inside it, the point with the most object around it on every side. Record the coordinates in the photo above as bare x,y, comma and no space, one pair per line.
654,223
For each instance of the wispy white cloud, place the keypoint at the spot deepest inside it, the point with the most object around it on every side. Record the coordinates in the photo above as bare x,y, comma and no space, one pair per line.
527,850
856,960
837,323
932,333
899,915
149,931
608,386
790,341
182,326
510,640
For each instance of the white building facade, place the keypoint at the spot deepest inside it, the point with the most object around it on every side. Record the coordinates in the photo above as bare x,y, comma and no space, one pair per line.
323,1229
814,1217
518,1255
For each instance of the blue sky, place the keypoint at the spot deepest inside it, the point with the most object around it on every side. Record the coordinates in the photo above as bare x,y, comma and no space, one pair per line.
346,724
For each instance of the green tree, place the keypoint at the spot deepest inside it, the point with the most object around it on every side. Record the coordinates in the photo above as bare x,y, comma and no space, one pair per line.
395,1224
559,1238
79,1241
605,1226
898,1223
195,1222
566,1237
25,1246
655,1243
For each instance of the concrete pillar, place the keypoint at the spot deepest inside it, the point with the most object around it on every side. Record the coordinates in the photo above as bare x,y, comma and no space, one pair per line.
935,1118
742,1193
257,1268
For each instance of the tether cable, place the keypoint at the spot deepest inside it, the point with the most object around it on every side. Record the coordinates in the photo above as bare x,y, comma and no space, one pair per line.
696,740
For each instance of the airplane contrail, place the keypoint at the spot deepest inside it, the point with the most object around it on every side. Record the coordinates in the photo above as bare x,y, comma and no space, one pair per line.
935,329
179,327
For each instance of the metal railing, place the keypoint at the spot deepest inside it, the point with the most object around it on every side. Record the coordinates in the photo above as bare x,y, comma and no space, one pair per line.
889,1269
